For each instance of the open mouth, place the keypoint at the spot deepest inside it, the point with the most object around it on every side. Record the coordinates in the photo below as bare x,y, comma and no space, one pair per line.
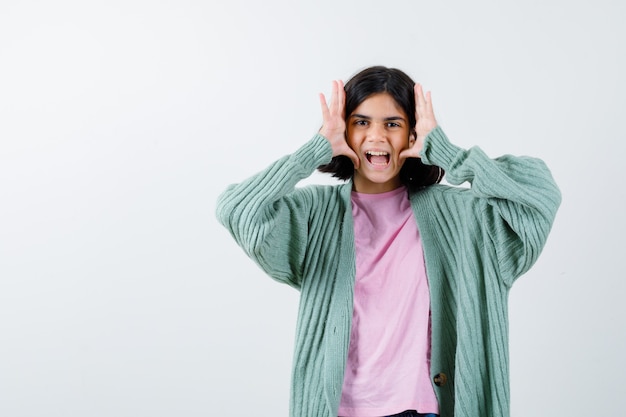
379,158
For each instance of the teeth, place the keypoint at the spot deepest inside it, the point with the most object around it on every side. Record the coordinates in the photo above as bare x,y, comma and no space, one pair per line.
377,153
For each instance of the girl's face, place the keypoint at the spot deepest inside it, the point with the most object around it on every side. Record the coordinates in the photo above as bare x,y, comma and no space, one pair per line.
378,130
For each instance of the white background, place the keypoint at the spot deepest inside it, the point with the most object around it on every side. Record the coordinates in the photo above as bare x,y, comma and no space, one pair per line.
121,122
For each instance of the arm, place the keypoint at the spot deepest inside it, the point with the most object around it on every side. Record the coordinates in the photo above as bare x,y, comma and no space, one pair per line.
268,217
517,198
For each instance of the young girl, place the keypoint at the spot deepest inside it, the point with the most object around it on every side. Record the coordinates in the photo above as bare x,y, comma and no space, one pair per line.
403,282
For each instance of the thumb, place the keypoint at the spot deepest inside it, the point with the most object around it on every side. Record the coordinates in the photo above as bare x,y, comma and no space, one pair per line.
354,158
411,152
403,156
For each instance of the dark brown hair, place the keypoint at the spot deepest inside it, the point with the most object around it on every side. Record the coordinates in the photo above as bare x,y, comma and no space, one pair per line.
373,80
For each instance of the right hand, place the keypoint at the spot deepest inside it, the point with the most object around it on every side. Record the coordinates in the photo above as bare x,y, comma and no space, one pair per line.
334,126
425,117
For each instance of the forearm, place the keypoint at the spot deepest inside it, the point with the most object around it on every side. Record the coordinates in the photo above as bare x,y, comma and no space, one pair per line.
524,180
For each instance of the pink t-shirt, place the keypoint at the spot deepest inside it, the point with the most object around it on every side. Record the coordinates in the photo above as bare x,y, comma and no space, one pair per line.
388,369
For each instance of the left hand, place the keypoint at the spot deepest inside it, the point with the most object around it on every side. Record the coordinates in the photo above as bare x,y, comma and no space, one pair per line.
425,123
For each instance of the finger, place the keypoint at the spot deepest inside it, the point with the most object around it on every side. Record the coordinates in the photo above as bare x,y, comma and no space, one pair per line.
419,102
429,103
324,106
354,158
402,157
409,153
342,97
429,112
419,96
334,93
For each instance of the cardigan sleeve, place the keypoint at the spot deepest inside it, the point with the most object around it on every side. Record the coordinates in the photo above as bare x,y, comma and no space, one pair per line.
268,217
517,199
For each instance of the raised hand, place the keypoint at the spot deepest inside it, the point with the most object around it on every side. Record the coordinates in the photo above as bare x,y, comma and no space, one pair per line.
426,122
334,125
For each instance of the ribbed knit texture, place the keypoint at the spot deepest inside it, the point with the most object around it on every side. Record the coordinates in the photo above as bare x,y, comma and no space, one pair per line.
476,242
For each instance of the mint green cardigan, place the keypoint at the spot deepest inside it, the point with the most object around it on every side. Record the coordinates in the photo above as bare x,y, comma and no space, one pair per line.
476,242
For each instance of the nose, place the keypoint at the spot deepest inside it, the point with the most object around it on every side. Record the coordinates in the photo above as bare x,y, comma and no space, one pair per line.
376,132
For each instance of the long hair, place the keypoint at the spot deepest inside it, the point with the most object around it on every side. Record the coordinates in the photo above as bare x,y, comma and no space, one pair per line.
373,80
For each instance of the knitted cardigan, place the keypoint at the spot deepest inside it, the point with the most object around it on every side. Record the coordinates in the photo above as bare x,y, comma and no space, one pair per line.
476,242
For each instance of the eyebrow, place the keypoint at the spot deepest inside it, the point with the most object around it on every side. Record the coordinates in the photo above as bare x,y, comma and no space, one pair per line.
386,119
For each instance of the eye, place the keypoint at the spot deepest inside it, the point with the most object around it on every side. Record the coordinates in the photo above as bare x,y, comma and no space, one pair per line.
361,122
393,124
